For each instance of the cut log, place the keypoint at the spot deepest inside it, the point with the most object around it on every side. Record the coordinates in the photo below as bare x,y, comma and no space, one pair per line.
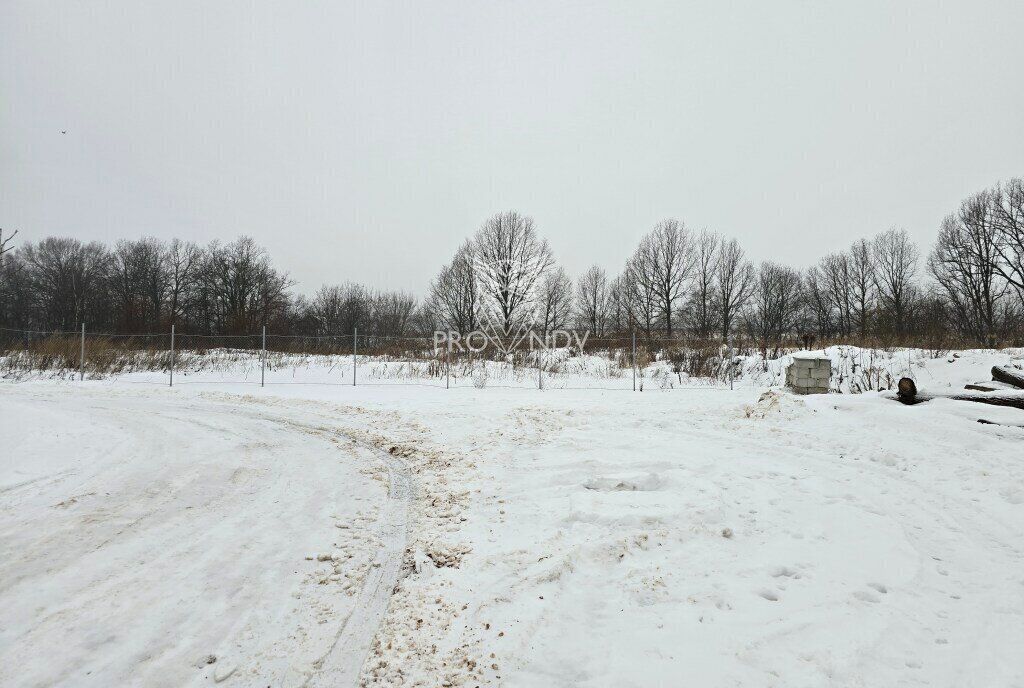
1011,399
906,387
1010,376
914,396
906,392
992,386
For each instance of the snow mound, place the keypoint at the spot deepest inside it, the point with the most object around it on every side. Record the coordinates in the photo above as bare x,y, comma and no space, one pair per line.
773,404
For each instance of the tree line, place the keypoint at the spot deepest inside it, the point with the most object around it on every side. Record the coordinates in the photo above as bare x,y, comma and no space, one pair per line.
144,286
676,283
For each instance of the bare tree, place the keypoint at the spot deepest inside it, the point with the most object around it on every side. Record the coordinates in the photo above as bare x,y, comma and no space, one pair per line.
702,310
184,262
665,261
863,279
69,281
339,310
775,305
327,312
15,292
819,302
356,308
896,258
244,289
838,283
392,313
555,301
592,301
640,290
1008,222
139,283
4,248
511,260
424,320
454,293
964,263
734,284
620,313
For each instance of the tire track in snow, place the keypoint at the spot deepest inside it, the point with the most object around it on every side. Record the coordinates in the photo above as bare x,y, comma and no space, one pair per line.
344,661
144,506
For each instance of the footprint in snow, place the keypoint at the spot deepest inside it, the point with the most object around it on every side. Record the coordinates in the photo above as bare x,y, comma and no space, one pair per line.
785,571
866,596
769,595
878,587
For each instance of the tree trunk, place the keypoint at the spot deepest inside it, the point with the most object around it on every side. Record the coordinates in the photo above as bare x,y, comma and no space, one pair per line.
1010,376
909,394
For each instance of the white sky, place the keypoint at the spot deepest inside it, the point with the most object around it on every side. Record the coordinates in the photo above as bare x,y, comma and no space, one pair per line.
364,141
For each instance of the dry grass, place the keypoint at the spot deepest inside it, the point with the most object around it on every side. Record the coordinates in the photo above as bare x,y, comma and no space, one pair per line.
416,358
102,356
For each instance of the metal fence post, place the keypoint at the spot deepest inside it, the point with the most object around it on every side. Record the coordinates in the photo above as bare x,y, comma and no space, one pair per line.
81,361
634,360
732,364
355,339
172,357
263,358
540,370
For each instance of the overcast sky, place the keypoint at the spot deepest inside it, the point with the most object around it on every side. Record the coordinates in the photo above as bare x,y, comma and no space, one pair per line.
364,141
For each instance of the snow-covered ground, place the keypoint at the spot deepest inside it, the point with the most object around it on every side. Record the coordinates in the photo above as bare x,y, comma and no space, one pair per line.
144,533
689,534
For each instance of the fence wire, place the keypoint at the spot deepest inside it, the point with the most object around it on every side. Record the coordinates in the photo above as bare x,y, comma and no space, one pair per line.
609,363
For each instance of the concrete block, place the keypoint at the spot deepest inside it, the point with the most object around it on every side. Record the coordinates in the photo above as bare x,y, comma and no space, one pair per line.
809,375
822,373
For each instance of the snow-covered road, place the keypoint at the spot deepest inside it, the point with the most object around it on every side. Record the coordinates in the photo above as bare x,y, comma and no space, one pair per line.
141,536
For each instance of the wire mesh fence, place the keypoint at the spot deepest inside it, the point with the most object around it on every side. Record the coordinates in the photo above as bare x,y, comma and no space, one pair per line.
624,362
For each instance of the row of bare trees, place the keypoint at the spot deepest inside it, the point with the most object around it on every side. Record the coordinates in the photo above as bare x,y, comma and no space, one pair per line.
147,285
676,283
338,311
869,289
141,286
506,278
970,288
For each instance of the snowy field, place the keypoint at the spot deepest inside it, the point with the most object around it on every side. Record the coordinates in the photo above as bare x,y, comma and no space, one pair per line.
220,532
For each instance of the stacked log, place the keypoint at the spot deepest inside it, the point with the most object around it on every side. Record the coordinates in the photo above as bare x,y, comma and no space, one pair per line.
907,393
